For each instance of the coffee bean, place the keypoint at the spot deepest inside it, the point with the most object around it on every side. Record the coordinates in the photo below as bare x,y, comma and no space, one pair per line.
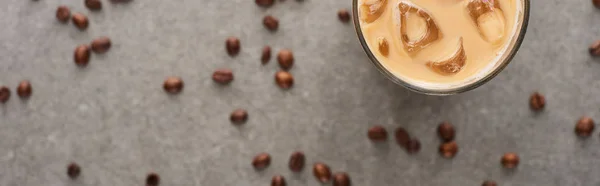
489,183
223,76
402,137
239,116
596,3
344,15
446,131
266,55
414,146
595,47
265,3
93,5
73,170
341,179
322,172
377,133
297,161
285,58
82,55
278,180
232,44
24,89
173,85
4,94
152,179
284,79
448,149
261,161
584,127
537,102
101,45
510,160
63,13
271,23
80,21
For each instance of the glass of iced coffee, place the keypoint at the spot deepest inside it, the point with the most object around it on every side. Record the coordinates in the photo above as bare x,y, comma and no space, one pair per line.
441,47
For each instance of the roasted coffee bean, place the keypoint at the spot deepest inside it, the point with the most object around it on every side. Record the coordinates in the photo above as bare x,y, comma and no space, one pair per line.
223,76
297,161
489,183
537,102
265,3
63,13
152,179
173,85
271,23
80,21
239,116
446,131
595,47
285,58
596,3
73,170
322,172
341,179
510,160
344,15
94,5
448,149
82,55
4,94
278,180
402,137
24,89
101,45
284,79
584,127
232,44
266,55
414,146
377,133
261,161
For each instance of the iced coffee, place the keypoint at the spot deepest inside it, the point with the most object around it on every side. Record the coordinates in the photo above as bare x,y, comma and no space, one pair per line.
438,41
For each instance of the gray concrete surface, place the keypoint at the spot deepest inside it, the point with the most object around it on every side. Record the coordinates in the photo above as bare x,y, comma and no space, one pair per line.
114,119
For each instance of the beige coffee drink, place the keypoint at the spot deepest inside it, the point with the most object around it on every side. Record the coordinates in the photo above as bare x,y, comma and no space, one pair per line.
439,41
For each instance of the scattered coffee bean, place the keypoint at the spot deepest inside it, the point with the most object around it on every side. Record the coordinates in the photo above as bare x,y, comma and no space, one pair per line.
448,149
341,179
414,146
101,45
94,5
63,13
510,160
489,183
596,3
266,55
446,131
4,94
173,85
152,179
239,116
377,133
537,101
595,47
584,127
261,161
284,79
344,15
297,161
402,137
322,172
265,3
285,58
278,180
271,23
232,44
82,55
223,76
73,170
24,89
384,47
80,21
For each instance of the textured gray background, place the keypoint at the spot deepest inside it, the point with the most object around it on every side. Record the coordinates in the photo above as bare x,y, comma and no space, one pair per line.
114,119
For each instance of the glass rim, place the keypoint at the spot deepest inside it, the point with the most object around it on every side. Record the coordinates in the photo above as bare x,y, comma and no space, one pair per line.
467,86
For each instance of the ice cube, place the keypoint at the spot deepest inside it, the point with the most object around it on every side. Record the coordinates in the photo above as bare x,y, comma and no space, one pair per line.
417,28
488,18
453,64
371,10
